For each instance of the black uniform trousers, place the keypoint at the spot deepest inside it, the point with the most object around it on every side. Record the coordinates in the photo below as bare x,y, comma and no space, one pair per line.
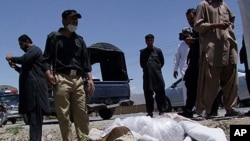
160,99
191,80
35,119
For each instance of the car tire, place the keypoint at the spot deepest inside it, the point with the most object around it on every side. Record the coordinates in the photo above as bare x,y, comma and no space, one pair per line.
5,122
3,119
106,113
168,105
13,120
243,103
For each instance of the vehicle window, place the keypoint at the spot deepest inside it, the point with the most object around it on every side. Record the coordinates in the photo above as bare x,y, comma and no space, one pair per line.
96,71
8,98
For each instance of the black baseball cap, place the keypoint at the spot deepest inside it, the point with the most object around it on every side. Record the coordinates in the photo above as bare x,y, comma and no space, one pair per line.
70,12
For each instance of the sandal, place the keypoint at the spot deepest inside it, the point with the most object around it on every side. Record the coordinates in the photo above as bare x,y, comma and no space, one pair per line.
198,118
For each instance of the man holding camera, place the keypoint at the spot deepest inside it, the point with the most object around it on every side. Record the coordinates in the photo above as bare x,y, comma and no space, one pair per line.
191,75
191,37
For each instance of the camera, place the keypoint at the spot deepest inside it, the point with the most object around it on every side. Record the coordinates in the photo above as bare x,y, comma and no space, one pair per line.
185,33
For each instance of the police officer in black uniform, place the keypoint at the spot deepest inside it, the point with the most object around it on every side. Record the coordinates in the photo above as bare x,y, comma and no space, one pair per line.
66,54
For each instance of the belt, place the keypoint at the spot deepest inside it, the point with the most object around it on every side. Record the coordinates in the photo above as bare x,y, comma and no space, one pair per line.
71,72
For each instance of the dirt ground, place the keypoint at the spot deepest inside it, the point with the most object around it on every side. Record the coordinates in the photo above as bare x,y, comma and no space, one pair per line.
225,124
51,131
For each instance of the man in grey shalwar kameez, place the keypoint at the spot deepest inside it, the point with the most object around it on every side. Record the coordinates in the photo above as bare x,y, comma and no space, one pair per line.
218,56
33,88
152,61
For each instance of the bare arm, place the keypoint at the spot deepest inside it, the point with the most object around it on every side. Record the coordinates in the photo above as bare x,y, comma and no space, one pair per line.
90,83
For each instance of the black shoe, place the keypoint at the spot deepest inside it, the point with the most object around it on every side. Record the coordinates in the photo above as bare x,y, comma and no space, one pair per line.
186,114
213,114
161,113
234,112
208,116
150,114
247,114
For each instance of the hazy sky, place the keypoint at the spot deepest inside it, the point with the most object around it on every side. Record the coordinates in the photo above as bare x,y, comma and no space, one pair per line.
123,23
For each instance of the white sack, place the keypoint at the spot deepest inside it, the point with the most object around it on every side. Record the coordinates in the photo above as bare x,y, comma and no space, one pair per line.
203,133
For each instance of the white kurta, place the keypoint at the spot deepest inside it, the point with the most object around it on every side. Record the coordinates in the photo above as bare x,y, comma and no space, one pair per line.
180,61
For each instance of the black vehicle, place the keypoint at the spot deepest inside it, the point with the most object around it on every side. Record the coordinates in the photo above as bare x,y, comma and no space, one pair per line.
113,89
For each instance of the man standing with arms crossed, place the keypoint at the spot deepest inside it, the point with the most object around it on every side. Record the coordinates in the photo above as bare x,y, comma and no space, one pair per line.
152,61
191,74
66,53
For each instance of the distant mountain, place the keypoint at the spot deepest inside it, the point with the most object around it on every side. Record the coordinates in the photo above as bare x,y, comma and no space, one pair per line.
137,98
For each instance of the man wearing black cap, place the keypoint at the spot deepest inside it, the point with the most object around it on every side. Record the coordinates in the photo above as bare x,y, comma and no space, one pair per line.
66,53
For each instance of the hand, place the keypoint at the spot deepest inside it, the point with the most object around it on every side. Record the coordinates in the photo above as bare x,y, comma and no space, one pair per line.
12,65
50,78
223,25
91,86
175,74
9,56
189,40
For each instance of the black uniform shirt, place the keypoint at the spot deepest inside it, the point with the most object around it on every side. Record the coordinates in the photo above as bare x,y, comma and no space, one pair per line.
66,53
